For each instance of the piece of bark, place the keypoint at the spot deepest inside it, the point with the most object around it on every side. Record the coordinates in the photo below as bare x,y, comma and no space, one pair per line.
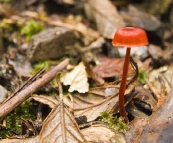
136,128
159,128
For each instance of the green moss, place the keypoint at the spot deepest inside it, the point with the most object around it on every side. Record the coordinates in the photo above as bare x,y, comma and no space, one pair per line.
31,28
39,65
4,24
142,77
25,110
114,122
5,132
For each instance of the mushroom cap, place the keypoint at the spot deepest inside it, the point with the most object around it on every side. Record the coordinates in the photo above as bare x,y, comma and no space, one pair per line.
130,37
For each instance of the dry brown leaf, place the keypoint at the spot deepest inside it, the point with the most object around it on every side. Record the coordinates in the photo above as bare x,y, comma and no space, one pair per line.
159,126
48,100
97,78
105,15
91,105
77,79
102,98
161,79
98,100
110,67
136,128
101,134
52,102
59,126
29,140
6,10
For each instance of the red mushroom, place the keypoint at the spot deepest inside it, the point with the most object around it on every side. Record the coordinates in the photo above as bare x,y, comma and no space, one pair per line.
127,37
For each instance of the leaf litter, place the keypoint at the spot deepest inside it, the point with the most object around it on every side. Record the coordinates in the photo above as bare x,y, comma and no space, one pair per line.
59,126
105,93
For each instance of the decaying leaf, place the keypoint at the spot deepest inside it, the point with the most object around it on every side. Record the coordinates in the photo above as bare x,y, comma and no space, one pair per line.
29,140
45,100
59,127
77,79
105,15
161,79
159,126
97,78
136,128
144,100
98,100
110,67
92,105
103,98
99,133
52,102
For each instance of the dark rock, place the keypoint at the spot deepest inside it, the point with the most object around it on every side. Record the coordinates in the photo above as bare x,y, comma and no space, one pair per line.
50,44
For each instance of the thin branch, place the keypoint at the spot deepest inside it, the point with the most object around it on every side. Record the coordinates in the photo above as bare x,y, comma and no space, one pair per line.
154,90
24,94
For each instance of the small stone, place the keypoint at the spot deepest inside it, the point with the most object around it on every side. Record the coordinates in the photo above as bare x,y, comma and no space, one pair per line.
51,43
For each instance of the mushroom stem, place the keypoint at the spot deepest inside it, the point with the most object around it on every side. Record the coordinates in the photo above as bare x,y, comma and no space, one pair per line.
123,85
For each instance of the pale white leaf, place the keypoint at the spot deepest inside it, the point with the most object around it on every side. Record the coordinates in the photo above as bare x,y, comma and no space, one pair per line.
77,79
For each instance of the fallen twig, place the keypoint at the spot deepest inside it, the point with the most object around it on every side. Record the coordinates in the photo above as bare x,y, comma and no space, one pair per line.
26,84
160,98
24,94
153,89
